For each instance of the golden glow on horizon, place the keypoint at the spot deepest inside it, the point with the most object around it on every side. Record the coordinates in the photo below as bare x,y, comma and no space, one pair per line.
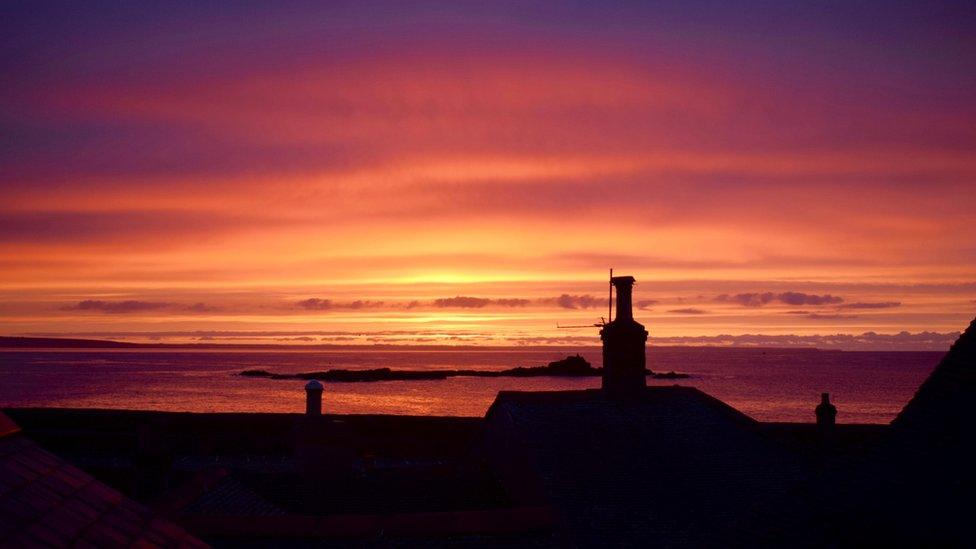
480,198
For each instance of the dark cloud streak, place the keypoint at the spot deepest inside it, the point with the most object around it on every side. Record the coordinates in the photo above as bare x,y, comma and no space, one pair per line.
688,311
463,302
756,299
567,301
319,304
117,307
876,305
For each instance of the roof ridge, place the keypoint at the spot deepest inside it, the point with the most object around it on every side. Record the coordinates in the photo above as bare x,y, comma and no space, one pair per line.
955,373
7,425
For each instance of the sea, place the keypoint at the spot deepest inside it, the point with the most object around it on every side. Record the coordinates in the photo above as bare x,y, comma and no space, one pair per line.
767,384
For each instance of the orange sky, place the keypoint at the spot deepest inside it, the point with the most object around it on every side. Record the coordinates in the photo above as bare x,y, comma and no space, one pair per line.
469,175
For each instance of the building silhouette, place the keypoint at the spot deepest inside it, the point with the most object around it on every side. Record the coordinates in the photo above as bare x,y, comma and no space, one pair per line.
912,487
625,465
47,502
624,345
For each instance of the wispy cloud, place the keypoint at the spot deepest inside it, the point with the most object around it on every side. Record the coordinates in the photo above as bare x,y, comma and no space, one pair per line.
200,307
756,299
512,302
830,316
567,301
871,305
315,304
688,311
116,307
464,302
319,304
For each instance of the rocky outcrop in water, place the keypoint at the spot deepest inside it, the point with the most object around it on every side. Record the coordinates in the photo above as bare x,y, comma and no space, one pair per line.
571,366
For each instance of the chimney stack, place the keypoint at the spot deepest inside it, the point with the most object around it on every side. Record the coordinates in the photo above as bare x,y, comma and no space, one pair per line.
826,412
624,344
313,398
624,285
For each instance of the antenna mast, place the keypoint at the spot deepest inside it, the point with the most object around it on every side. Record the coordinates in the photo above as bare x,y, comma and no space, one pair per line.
603,322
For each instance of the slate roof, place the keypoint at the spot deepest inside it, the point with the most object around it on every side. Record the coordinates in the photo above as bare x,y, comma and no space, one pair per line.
675,467
44,501
922,475
230,497
914,489
942,414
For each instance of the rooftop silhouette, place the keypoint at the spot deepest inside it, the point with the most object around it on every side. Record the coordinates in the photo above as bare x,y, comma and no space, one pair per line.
45,501
622,465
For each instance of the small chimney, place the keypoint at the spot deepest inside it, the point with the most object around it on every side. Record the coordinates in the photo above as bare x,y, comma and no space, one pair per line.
624,345
313,398
826,412
624,285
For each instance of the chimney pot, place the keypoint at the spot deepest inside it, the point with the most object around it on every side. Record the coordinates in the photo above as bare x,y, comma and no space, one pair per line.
313,398
826,412
624,285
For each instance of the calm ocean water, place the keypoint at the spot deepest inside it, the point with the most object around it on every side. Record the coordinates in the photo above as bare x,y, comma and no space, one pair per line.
769,385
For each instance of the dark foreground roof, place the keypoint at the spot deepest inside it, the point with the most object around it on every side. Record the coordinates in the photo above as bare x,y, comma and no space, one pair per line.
914,489
943,411
923,474
671,467
44,501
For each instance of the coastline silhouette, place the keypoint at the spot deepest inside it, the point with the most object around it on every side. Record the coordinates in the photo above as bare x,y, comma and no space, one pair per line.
571,366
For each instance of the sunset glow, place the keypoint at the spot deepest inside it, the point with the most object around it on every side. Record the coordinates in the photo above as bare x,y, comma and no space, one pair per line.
460,176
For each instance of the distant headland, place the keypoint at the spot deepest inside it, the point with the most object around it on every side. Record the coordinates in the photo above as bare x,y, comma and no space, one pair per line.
7,342
571,366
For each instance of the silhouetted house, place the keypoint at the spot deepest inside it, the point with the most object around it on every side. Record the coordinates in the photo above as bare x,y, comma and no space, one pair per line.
46,502
671,466
630,465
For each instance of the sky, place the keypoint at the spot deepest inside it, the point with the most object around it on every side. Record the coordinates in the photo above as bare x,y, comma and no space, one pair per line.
467,172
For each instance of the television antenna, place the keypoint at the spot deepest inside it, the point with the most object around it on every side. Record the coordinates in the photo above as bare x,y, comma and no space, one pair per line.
603,321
